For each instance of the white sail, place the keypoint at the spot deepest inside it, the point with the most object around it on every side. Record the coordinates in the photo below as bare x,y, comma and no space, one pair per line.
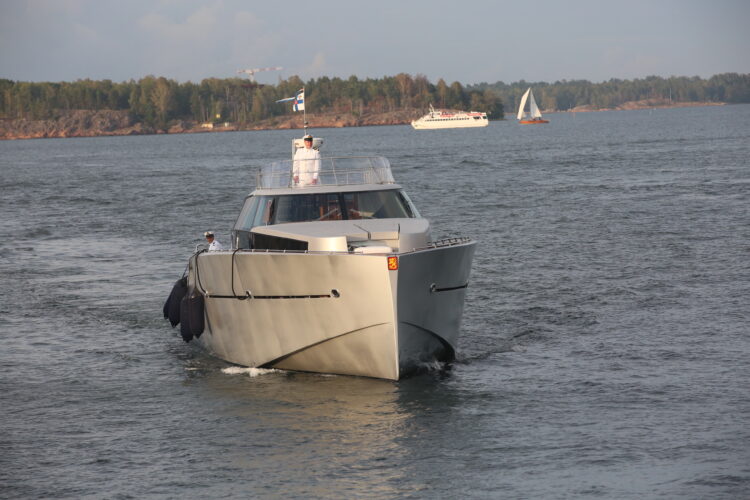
535,113
523,103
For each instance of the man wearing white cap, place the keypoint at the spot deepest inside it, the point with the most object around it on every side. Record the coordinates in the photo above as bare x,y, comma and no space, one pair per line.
306,164
213,245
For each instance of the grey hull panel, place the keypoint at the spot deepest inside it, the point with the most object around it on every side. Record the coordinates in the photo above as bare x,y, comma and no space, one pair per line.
300,311
431,291
358,353
332,313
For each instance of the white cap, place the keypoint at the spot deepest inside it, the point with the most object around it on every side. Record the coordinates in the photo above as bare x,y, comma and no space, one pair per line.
208,233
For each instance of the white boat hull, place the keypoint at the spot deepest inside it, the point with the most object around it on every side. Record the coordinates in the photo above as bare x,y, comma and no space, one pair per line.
335,313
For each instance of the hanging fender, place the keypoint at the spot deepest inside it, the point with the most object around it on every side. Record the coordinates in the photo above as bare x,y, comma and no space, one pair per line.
172,305
191,315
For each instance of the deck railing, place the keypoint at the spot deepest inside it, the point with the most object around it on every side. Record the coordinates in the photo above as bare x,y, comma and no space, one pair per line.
336,171
446,242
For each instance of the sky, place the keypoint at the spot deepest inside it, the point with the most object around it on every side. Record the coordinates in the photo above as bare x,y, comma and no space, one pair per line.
470,41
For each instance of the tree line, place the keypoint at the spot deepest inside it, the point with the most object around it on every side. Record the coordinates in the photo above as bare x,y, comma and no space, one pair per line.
565,95
158,100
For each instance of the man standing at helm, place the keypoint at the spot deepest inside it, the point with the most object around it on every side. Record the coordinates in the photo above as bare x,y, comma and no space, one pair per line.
306,164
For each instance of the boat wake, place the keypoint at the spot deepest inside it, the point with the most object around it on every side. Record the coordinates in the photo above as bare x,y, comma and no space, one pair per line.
433,367
250,372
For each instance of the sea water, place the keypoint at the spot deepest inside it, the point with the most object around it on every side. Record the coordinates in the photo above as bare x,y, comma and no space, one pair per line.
604,349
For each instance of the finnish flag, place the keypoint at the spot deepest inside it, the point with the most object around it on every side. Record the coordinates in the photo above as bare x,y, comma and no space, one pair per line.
299,102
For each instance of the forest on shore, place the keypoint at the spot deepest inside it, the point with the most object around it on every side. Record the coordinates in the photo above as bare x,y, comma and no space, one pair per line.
157,104
730,88
157,100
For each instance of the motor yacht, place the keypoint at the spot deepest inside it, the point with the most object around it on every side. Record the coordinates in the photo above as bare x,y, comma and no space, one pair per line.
339,275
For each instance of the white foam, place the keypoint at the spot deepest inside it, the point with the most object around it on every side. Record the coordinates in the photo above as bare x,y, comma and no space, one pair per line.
251,372
433,365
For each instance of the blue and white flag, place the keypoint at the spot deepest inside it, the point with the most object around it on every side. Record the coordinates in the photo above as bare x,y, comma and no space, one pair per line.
298,101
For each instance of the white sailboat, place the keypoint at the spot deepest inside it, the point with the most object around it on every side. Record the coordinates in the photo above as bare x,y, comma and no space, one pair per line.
534,116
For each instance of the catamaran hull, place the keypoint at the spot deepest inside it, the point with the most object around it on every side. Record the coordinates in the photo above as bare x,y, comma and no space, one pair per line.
331,312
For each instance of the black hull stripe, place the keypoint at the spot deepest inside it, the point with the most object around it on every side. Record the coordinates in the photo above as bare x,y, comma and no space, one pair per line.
244,297
451,288
323,296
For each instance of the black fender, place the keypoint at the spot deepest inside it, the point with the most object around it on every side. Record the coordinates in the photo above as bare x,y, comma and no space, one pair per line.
192,315
172,305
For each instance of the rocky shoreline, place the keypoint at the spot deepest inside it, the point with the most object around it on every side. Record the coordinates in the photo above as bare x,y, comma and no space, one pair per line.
644,104
84,123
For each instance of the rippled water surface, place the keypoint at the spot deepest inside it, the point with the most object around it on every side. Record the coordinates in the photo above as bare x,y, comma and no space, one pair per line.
604,350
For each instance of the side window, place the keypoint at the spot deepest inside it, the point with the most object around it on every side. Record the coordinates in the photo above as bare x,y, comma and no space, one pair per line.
265,213
247,215
241,239
410,208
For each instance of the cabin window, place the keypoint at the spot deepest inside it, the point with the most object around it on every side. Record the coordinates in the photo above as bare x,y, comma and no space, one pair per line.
267,210
376,205
311,207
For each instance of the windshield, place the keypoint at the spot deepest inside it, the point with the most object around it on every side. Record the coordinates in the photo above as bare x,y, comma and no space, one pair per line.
280,209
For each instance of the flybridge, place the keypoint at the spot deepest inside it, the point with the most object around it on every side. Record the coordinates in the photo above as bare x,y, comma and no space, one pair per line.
336,171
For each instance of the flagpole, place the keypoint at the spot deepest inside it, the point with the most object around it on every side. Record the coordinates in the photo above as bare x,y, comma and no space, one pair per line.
304,111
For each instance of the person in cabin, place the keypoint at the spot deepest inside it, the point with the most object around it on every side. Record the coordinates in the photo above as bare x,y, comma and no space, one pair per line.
213,245
306,164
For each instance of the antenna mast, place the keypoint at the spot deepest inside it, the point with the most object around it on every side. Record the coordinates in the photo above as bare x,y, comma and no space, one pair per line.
251,72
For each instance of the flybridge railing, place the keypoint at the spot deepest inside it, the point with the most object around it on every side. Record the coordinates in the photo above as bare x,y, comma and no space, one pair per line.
336,171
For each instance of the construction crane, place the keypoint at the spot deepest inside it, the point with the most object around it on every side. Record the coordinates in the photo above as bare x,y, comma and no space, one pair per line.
251,72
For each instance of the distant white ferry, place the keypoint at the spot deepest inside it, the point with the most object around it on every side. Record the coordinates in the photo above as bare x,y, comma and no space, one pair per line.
450,119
